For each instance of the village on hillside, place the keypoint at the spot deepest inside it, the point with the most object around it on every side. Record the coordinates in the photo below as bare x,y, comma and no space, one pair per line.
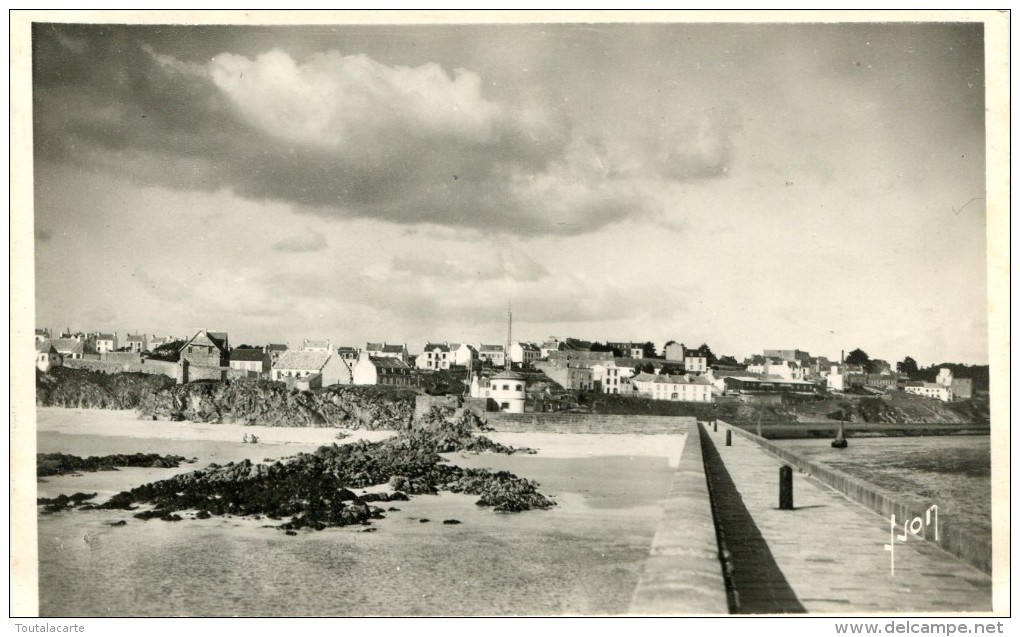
504,377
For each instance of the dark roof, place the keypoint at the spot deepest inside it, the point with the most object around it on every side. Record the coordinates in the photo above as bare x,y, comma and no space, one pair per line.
387,362
393,349
221,337
247,355
105,337
442,347
276,347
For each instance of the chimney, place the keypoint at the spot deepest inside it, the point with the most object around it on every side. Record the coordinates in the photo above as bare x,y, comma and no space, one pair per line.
842,356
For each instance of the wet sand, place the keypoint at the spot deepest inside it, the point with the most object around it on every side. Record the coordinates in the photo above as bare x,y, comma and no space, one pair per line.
584,556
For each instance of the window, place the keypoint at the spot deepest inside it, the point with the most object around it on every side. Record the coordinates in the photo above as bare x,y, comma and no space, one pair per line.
506,387
517,387
504,405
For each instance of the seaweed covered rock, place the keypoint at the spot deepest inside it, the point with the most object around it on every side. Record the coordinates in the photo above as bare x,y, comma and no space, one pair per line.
314,490
51,464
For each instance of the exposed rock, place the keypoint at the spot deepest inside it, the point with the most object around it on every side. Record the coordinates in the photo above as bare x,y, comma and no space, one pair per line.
451,521
314,490
84,389
50,464
270,403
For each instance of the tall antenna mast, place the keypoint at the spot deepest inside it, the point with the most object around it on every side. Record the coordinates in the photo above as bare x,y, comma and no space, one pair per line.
509,331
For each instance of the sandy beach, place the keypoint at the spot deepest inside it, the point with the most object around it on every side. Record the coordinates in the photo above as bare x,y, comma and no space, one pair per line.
581,557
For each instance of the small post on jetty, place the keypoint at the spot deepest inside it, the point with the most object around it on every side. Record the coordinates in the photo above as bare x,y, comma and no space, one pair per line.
786,487
715,425
729,438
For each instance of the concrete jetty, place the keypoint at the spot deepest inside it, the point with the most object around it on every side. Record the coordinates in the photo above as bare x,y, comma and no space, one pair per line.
826,555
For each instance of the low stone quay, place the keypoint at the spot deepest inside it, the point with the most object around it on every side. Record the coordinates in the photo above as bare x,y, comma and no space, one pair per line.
826,555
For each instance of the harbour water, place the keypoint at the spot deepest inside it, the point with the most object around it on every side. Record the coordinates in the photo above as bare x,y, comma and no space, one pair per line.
953,472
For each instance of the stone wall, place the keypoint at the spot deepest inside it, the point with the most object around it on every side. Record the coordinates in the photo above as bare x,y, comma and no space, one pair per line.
587,423
112,367
968,547
683,574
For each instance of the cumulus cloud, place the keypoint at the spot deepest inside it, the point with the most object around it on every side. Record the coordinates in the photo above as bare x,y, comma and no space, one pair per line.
340,135
308,242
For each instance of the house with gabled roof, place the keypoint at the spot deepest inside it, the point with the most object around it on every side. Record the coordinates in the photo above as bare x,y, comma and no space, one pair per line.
434,357
104,342
255,361
297,364
155,342
313,345
204,356
74,348
41,334
136,343
46,356
685,388
464,354
495,355
348,353
373,370
524,353
387,350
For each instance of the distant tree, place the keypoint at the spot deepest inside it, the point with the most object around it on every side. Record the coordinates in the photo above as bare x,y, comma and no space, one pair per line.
601,347
907,366
706,351
246,346
728,360
649,350
672,368
858,357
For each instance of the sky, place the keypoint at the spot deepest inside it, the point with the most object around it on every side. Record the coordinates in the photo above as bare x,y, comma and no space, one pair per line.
809,186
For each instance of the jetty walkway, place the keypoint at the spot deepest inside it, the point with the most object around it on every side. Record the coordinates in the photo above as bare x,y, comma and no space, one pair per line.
825,555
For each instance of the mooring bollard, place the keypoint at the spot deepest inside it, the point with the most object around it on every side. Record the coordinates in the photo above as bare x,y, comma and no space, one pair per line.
786,487
729,438
715,425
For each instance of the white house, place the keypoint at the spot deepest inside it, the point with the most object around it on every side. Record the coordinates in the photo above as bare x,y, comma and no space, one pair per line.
684,388
695,362
435,356
46,356
250,360
136,343
464,354
508,390
297,364
523,353
384,370
612,378
105,342
929,390
385,350
494,354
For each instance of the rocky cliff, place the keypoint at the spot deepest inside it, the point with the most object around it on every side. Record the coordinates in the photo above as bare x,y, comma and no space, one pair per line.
271,403
84,389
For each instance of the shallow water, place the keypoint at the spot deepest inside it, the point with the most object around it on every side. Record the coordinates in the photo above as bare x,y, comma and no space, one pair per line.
584,556
953,472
